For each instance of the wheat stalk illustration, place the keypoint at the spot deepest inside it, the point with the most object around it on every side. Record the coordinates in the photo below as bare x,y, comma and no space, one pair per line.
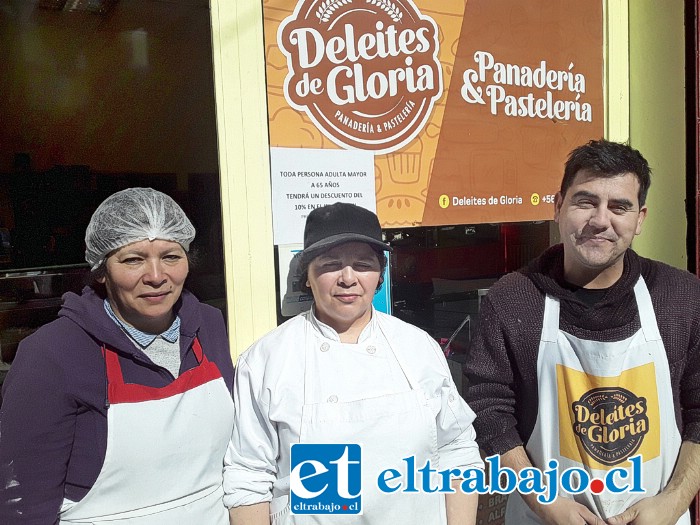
389,8
327,8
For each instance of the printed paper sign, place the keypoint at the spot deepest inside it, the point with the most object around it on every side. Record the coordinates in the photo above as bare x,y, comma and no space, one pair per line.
304,179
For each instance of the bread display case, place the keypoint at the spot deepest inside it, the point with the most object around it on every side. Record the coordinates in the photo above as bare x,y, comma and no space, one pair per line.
439,275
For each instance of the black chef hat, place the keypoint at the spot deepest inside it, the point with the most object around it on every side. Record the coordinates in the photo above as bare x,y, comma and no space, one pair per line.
339,223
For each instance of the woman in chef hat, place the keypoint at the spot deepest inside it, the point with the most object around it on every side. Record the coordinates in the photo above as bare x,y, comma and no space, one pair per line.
344,373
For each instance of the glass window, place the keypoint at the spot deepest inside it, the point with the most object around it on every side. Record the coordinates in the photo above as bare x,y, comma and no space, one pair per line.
99,96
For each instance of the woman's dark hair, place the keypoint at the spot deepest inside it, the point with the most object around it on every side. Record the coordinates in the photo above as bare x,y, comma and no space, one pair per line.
304,270
93,280
607,159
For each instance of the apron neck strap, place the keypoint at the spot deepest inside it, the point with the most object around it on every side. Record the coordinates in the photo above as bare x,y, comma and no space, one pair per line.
309,382
647,319
646,311
399,358
114,368
197,349
550,323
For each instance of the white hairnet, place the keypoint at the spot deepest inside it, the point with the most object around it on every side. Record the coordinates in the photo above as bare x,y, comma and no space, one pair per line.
132,215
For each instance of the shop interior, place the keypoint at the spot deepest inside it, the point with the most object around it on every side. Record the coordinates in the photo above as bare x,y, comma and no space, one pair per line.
98,96
440,274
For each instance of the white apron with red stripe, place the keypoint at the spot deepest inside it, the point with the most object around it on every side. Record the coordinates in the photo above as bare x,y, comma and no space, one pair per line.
627,384
165,451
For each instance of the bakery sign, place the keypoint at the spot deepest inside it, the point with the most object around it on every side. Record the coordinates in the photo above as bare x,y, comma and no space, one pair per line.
366,72
559,91
468,108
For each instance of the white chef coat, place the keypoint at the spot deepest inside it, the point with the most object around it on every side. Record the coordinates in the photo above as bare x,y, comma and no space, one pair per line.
269,395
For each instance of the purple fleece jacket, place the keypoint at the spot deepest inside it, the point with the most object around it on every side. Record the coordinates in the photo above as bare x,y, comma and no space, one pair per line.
53,421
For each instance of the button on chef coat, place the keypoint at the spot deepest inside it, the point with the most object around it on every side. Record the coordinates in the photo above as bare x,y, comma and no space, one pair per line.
346,372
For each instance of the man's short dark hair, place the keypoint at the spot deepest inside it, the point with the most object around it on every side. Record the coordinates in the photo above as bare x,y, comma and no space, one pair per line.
607,159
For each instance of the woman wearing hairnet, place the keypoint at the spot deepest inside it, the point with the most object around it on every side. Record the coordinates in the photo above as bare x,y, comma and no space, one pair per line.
344,373
120,410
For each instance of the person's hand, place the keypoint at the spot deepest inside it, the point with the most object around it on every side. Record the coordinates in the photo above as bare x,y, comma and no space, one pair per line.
563,511
656,510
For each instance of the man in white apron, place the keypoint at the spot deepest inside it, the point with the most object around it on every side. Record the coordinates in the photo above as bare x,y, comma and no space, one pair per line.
590,356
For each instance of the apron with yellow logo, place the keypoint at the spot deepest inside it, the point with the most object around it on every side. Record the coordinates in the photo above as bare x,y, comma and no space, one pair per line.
601,403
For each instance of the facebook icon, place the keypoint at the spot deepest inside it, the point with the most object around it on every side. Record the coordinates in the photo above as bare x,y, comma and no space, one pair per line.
325,479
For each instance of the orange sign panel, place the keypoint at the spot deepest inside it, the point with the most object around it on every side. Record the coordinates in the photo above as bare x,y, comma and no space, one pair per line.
470,108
